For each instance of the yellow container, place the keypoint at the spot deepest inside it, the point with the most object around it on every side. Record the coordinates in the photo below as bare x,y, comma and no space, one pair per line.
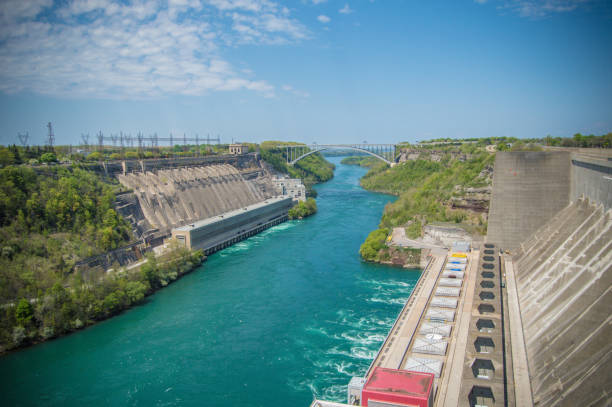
458,255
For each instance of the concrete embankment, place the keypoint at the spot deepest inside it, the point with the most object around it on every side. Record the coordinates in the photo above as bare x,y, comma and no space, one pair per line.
552,210
529,188
564,285
175,197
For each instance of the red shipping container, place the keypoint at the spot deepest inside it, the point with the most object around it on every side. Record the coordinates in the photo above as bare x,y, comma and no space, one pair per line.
401,387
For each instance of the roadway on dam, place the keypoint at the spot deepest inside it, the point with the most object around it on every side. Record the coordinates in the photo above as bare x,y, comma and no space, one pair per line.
289,314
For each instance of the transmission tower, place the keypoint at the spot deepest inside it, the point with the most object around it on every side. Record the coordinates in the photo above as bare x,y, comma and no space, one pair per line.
140,138
23,138
122,142
50,136
100,141
85,138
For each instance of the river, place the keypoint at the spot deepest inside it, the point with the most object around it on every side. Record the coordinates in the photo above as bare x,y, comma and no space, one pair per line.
275,320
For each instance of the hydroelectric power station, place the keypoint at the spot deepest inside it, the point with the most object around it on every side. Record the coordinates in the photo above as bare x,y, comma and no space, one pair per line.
522,319
204,203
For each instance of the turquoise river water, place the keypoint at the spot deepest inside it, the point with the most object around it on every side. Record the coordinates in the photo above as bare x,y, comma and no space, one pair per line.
275,320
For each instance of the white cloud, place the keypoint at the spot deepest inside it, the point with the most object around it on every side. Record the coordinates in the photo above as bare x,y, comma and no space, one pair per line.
543,8
323,19
346,9
318,1
137,49
12,10
480,1
296,92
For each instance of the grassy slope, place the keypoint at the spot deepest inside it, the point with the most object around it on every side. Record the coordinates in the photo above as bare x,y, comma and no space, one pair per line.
424,188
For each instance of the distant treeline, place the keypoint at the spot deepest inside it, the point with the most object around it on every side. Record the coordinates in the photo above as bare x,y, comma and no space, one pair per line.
577,140
361,160
33,155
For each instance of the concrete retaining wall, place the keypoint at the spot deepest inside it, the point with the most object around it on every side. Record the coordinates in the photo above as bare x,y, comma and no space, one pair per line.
564,284
529,188
111,168
592,178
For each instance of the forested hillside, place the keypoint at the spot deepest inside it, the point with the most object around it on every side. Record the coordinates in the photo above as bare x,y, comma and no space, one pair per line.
507,143
426,190
50,218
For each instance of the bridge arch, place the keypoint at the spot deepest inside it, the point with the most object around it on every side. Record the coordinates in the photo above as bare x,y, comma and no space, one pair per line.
320,148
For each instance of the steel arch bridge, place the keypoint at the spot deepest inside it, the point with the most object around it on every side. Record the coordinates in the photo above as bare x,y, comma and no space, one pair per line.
384,152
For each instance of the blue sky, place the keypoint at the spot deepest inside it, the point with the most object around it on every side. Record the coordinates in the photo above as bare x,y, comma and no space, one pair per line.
311,70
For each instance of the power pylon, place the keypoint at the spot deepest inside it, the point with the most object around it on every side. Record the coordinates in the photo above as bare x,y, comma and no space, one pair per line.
23,138
50,136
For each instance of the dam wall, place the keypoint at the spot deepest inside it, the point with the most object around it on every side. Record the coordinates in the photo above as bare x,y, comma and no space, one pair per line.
174,197
529,188
243,162
592,178
564,286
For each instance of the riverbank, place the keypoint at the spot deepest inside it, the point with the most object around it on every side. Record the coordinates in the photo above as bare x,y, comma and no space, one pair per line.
431,190
63,310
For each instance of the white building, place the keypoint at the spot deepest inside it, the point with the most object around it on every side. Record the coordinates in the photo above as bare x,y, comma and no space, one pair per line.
292,187
238,149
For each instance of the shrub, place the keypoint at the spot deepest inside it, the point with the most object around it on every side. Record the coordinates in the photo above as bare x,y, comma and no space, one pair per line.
373,244
48,158
303,209
24,312
95,156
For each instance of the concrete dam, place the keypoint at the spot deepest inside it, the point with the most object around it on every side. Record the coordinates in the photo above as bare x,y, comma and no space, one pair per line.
175,197
522,319
180,196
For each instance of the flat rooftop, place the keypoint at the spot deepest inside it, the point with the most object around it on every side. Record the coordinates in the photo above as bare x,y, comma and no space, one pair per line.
230,214
402,382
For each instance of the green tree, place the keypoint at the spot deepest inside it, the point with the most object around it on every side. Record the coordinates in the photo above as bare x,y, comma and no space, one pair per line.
48,158
303,209
6,157
24,312
135,291
373,244
95,156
